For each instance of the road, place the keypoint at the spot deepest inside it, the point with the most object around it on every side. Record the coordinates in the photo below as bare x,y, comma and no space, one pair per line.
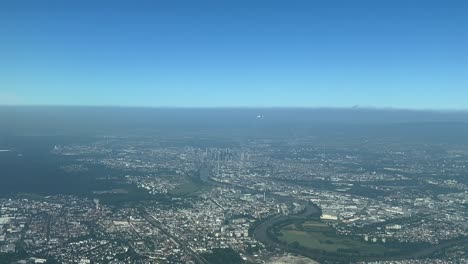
157,224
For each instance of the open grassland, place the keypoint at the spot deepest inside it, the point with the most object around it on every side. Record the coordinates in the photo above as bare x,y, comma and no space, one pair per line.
190,185
189,188
316,235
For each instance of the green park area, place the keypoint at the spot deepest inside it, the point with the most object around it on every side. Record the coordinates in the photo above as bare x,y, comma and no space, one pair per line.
318,237
191,184
189,187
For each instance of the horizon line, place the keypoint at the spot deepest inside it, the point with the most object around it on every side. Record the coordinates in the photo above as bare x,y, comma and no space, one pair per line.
354,107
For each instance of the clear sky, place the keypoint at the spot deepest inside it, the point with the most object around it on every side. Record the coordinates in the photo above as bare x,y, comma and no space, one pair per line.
311,53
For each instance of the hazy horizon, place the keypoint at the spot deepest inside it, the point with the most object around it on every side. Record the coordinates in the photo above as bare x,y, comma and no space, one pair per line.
351,107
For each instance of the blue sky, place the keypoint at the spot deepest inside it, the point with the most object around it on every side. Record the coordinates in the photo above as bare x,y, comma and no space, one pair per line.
401,54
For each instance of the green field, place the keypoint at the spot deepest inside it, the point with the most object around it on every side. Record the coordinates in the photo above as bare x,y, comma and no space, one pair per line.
188,188
190,185
317,236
